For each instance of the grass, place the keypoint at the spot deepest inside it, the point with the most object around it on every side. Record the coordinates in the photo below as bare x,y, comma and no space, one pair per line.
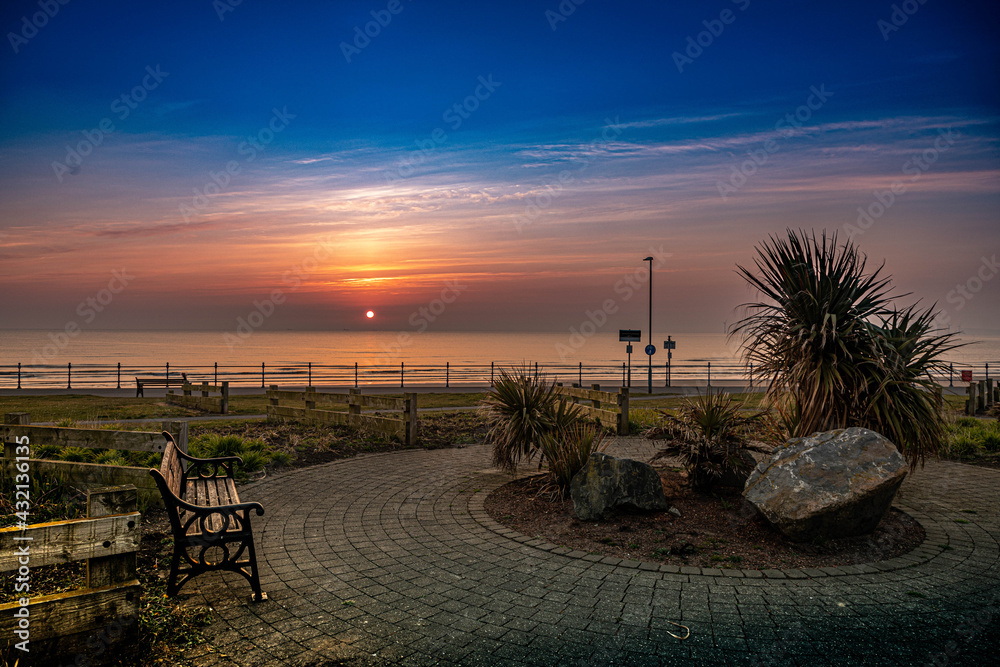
971,438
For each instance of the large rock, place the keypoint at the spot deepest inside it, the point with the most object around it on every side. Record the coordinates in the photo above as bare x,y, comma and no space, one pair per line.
607,483
827,485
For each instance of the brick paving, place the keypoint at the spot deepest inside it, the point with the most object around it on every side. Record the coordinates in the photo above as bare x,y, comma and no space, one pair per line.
390,559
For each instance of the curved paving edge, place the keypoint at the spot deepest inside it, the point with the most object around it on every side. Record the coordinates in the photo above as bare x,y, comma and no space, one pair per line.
933,544
391,559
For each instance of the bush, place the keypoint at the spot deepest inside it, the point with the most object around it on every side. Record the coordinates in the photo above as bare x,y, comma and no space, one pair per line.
711,436
568,450
255,453
520,411
969,437
835,350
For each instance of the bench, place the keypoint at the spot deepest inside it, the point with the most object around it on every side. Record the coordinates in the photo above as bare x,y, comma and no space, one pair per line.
211,527
156,382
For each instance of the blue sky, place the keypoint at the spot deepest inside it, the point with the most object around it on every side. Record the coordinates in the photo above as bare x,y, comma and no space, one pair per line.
577,145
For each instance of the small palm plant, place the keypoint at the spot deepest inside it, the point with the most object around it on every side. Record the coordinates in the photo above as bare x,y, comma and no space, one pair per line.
520,411
712,436
568,449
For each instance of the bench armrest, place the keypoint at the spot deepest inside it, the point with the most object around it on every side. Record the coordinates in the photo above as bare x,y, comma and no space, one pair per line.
209,468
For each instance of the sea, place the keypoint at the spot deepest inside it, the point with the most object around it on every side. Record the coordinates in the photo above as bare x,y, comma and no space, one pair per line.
45,352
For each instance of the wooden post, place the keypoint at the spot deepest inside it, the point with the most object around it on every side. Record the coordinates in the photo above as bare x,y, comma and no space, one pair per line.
989,393
354,407
109,570
981,398
310,401
225,397
178,429
970,405
596,403
623,411
204,389
272,402
410,415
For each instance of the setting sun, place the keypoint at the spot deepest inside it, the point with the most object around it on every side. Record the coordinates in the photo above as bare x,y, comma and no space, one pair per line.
370,314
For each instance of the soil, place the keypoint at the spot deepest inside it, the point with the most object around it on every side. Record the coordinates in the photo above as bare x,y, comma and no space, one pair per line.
716,530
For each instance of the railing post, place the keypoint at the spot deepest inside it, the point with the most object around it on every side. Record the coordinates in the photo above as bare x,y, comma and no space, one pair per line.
355,375
216,374
262,375
536,371
69,376
402,373
623,373
310,373
951,375
491,374
119,375
168,370
19,375
580,376
447,373
710,374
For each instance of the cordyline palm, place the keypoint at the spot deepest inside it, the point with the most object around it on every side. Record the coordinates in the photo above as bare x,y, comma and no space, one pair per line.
520,411
834,349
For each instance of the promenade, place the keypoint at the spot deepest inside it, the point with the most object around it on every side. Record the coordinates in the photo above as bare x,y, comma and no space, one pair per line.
390,559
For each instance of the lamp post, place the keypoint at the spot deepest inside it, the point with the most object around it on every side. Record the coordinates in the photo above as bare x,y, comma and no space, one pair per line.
650,350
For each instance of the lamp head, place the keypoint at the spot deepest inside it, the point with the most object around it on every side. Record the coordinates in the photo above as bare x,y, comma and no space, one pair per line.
648,259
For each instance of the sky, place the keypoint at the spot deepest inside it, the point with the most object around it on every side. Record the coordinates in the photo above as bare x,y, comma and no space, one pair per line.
485,166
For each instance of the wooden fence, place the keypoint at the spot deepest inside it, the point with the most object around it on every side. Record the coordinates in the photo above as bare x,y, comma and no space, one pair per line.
305,402
88,475
92,622
218,404
609,409
982,396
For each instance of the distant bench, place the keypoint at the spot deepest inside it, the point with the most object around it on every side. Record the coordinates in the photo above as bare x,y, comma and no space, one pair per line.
156,382
206,518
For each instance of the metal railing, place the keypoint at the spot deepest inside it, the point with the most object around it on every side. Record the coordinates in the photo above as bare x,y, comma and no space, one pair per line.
79,376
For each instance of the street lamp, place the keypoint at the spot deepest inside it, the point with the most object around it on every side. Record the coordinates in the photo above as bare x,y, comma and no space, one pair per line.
650,350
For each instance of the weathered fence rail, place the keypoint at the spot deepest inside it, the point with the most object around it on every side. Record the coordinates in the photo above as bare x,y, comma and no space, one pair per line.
91,621
18,425
202,401
609,409
305,408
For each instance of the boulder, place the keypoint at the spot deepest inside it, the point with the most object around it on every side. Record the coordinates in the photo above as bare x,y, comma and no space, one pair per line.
607,483
827,485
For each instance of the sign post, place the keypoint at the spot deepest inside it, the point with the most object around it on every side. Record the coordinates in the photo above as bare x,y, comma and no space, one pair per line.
629,336
669,345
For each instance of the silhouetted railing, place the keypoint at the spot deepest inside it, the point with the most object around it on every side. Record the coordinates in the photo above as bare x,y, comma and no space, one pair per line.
72,376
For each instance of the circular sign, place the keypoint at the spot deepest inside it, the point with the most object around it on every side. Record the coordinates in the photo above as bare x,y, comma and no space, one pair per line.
650,350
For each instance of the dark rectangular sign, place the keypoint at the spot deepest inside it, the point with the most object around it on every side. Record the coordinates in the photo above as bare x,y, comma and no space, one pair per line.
630,335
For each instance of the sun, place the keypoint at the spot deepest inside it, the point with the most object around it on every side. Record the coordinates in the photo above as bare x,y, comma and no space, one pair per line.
370,314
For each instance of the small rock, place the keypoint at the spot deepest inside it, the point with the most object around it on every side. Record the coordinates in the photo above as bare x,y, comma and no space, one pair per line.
673,510
607,483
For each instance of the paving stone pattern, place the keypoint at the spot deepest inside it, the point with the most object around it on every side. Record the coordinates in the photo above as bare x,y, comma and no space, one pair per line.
390,559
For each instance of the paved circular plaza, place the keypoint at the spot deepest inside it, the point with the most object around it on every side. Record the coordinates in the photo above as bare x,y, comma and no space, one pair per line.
390,559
